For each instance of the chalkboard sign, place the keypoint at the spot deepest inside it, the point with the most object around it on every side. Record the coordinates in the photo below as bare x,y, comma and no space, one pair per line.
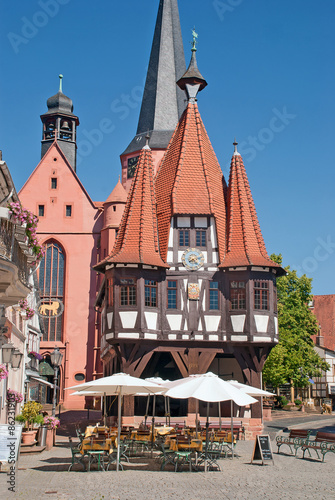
262,449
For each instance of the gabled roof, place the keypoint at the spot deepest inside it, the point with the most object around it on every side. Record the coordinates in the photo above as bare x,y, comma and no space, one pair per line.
56,146
245,241
137,240
163,102
190,180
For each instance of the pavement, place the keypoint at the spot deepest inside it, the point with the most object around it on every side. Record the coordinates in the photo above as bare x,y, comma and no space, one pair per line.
45,476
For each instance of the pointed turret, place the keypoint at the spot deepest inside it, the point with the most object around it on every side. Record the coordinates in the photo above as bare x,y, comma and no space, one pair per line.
137,241
192,81
245,241
163,101
60,124
189,179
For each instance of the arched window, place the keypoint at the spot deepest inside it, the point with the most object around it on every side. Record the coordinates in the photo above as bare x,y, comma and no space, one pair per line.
51,284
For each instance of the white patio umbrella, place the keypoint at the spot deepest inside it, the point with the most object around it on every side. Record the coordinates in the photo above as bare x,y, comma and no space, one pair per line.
249,389
120,384
210,388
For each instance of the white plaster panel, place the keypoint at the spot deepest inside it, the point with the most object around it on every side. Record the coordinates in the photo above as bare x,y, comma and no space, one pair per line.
180,254
169,256
170,244
239,338
129,335
199,325
262,339
109,320
276,341
150,336
224,338
109,335
199,337
185,337
185,327
185,284
276,325
212,323
200,221
204,301
151,319
181,302
205,254
128,319
213,233
238,322
174,321
172,336
213,337
184,221
215,257
261,323
212,269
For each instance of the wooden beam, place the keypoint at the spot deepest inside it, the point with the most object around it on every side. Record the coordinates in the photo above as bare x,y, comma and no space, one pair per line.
177,359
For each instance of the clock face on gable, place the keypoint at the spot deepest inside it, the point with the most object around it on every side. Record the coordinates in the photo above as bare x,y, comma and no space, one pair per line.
132,162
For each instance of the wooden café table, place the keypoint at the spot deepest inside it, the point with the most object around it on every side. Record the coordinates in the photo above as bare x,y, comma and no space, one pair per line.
95,449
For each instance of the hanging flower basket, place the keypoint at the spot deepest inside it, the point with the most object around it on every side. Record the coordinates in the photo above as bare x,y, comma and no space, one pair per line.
26,311
35,355
3,372
27,220
14,396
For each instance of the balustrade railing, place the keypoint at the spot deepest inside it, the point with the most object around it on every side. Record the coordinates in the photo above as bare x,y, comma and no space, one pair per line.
11,250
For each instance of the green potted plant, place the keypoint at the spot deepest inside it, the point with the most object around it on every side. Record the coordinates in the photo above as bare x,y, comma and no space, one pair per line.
29,417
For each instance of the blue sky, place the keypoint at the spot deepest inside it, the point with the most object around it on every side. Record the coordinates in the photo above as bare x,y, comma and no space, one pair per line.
270,72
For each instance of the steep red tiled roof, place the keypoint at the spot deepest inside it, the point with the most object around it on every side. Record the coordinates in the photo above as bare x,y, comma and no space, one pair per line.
137,241
190,180
118,195
245,241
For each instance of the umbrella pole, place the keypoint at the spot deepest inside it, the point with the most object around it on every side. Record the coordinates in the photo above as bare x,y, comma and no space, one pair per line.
105,411
153,424
207,429
118,431
169,412
220,423
146,411
232,428
196,418
165,410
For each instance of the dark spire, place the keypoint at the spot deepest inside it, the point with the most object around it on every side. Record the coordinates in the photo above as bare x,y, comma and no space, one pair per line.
163,102
192,81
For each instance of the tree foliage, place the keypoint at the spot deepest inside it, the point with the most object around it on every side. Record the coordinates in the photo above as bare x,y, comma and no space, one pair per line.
294,359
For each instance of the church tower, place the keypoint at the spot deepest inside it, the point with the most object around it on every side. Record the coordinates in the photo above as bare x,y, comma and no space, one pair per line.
163,101
60,123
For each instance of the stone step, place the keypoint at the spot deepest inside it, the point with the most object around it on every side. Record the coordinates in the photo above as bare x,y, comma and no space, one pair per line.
32,450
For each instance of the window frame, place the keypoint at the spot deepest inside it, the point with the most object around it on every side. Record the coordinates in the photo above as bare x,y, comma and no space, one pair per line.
182,232
263,291
167,294
128,286
202,235
210,292
150,285
238,298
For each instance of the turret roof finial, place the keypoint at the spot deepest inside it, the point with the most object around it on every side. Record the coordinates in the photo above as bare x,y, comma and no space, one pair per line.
60,83
147,139
236,153
195,40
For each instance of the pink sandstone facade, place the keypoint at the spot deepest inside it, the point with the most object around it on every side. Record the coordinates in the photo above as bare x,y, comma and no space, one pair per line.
78,236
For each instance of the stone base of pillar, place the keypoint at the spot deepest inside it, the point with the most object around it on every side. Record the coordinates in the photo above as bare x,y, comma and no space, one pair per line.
253,427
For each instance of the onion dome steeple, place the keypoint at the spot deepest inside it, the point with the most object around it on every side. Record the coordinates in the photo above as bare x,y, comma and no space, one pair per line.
59,123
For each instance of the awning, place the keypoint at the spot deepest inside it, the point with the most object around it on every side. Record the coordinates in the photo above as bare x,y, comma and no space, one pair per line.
42,381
